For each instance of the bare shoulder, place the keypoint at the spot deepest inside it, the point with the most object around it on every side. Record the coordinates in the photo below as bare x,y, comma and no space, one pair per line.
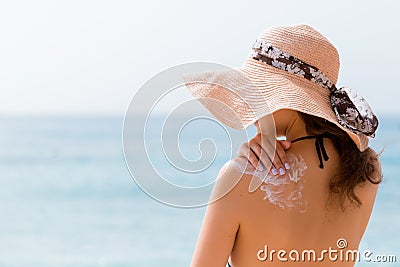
233,179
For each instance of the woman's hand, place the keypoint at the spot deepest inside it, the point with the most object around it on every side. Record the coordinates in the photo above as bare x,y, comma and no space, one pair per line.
259,158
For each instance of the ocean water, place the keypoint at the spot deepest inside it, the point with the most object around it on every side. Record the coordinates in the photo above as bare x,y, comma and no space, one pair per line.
67,198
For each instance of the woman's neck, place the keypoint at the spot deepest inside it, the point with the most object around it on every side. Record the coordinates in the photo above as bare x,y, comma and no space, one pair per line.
288,123
293,129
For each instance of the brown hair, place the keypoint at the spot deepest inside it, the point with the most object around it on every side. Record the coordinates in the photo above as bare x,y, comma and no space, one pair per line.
356,167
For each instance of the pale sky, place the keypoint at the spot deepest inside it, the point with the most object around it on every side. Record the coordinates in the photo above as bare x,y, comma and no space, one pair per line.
89,57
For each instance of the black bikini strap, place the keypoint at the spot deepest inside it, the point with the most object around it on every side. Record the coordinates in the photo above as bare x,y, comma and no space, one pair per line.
319,146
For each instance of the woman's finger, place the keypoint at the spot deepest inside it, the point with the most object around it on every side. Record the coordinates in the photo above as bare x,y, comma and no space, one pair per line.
280,159
263,150
256,149
281,154
246,152
255,161
286,144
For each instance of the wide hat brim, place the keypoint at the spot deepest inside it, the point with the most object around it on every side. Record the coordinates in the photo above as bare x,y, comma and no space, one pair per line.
239,97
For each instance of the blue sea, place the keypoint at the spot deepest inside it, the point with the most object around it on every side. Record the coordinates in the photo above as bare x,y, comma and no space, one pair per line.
68,199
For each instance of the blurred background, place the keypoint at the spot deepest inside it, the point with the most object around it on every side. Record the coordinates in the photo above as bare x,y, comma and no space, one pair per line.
68,71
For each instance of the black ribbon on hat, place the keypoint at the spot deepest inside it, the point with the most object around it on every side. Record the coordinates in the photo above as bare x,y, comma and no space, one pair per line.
351,109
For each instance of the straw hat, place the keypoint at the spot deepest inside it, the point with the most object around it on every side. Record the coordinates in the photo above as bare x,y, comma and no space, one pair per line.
290,67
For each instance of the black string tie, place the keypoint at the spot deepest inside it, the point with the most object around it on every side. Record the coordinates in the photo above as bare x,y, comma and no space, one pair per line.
319,146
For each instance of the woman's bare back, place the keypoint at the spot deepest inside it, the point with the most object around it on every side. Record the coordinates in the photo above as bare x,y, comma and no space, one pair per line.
268,220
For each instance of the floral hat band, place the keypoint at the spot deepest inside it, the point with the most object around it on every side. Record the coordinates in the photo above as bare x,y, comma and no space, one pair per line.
351,109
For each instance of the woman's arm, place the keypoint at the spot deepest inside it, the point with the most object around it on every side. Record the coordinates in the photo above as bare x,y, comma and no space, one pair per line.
220,224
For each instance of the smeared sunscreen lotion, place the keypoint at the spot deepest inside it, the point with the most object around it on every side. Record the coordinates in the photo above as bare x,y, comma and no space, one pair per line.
283,191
